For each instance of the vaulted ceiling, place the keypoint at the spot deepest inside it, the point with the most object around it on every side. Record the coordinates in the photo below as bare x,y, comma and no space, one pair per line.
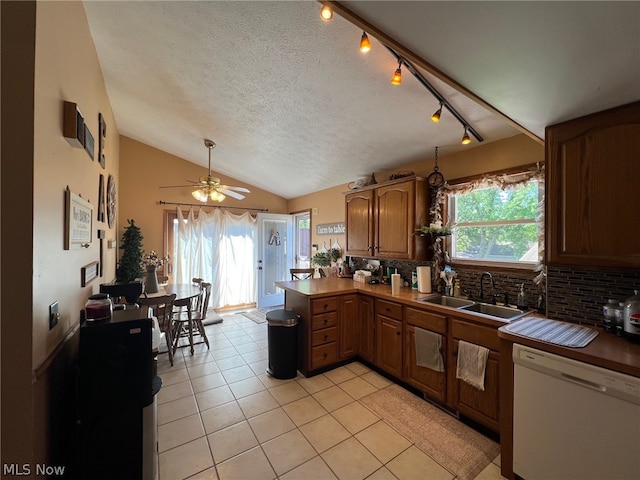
294,107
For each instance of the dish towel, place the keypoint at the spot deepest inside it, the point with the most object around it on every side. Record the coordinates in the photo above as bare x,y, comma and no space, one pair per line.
472,363
428,346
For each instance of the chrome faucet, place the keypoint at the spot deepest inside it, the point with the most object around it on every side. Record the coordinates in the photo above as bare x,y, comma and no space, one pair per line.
493,285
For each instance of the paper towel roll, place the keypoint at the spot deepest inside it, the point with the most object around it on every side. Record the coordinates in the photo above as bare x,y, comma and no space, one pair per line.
424,279
396,280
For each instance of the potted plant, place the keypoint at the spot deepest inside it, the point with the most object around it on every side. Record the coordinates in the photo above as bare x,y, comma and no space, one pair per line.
433,230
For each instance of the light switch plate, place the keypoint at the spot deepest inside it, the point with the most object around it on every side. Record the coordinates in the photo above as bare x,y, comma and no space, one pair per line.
54,316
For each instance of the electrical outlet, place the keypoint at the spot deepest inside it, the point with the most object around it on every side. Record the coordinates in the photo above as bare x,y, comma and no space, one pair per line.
54,316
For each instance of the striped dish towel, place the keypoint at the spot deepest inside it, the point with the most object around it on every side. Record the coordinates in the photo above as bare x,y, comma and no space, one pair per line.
472,364
553,331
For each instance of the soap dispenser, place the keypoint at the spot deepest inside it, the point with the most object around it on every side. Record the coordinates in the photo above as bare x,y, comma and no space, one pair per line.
522,298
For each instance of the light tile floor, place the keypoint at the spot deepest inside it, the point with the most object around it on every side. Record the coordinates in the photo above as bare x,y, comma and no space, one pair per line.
221,417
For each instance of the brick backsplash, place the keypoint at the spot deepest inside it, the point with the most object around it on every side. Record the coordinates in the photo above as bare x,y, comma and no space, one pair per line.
579,294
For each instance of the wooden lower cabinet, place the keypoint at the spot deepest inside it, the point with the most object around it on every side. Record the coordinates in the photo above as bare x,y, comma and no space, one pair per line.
349,319
324,332
366,328
482,406
428,381
389,343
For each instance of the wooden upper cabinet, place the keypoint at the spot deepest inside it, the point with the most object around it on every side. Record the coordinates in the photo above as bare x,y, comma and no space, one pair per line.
593,189
394,220
359,223
381,219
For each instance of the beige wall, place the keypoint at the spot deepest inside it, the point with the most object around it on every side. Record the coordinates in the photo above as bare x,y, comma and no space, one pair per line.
143,169
511,152
47,57
67,68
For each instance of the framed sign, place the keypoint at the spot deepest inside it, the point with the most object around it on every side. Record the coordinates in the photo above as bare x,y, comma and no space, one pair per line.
88,273
331,229
78,221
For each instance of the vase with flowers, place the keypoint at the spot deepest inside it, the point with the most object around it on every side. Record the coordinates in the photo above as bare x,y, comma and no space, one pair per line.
151,262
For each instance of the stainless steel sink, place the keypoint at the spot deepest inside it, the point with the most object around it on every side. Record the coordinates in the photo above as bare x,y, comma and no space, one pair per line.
453,302
504,313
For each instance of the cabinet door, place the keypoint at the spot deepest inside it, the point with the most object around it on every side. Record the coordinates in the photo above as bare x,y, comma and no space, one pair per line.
592,189
424,379
389,345
482,406
394,220
359,223
366,328
349,326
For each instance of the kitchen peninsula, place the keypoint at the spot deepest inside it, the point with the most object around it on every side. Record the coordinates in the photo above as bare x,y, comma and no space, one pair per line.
341,320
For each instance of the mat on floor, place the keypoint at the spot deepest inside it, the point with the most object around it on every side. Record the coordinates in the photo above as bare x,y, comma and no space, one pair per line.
457,447
258,315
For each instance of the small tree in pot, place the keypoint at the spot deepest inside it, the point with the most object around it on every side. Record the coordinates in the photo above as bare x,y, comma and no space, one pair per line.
130,263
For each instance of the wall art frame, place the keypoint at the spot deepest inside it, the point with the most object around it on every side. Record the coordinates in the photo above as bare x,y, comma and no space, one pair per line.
89,273
78,228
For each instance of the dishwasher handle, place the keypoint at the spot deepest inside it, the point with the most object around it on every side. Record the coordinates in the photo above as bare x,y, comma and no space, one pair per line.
582,382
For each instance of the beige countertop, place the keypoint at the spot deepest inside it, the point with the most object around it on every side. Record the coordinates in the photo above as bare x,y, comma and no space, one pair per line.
606,350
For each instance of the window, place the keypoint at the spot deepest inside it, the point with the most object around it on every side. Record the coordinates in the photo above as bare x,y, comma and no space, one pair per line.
496,225
302,235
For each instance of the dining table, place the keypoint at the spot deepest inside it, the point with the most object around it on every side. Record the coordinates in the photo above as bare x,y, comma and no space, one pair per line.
183,291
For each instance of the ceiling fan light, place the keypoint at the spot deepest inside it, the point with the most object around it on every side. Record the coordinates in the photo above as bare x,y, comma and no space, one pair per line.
216,196
365,44
200,195
326,13
436,115
397,77
466,140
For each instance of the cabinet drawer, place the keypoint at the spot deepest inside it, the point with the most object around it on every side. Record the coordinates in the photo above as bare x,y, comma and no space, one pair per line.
323,321
321,305
477,334
427,320
389,309
324,355
326,335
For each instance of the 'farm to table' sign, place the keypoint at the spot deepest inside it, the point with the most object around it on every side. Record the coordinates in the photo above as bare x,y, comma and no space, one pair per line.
331,229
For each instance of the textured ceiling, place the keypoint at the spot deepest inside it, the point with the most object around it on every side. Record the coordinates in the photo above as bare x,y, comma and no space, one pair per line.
294,107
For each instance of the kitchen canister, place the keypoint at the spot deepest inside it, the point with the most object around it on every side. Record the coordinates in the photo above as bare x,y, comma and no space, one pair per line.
424,279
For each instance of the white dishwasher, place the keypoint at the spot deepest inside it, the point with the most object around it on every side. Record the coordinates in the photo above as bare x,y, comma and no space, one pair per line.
572,420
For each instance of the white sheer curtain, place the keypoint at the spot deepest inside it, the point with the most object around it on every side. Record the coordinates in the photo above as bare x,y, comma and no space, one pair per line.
218,247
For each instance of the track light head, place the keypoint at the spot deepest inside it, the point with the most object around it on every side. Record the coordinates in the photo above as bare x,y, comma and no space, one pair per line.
326,13
436,115
466,140
365,44
396,79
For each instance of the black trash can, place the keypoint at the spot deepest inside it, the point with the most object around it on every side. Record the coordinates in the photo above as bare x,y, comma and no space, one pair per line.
283,343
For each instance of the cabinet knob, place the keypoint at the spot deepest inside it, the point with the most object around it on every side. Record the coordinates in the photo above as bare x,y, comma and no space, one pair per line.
325,321
326,336
398,333
324,355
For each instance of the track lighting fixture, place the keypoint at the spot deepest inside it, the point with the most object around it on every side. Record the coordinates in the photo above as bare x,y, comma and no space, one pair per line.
436,115
365,44
326,13
397,76
465,138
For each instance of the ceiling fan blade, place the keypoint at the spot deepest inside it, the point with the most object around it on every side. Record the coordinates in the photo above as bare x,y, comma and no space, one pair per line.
236,189
231,193
175,186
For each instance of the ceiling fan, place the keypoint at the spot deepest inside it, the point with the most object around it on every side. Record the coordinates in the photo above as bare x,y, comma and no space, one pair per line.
210,187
